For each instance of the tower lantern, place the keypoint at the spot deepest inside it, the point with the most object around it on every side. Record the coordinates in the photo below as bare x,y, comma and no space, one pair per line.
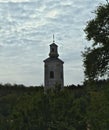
53,51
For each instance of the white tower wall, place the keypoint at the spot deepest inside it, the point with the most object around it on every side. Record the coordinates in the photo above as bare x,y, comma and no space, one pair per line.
53,68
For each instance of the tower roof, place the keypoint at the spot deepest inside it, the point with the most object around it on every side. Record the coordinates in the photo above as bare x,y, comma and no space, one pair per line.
53,44
53,59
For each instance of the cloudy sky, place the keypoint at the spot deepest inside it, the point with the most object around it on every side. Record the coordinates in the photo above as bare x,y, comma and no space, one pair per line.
26,29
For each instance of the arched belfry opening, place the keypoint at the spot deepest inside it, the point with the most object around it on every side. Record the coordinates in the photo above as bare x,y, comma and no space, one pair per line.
53,68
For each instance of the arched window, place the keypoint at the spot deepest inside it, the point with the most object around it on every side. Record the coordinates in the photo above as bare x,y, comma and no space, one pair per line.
51,74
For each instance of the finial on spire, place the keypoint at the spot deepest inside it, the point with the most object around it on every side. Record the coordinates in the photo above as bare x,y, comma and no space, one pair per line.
53,39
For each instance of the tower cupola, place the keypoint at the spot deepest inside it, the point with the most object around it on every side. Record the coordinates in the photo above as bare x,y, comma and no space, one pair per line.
53,50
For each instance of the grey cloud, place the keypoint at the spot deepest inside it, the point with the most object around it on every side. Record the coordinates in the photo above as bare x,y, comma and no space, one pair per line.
26,30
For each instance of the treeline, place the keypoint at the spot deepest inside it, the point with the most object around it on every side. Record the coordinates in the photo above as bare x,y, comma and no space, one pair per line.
29,108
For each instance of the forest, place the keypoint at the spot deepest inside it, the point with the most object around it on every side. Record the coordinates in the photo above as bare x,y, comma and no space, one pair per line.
70,108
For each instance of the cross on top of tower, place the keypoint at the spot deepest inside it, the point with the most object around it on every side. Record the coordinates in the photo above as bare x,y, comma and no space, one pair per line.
53,39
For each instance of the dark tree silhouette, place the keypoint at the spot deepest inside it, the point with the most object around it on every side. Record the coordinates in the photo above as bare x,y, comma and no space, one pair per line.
96,58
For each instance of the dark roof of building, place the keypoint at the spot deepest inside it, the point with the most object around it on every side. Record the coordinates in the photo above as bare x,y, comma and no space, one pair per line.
53,59
53,44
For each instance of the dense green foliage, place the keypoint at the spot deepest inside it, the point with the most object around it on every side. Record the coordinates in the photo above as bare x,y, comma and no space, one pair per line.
96,58
23,108
98,109
96,63
73,108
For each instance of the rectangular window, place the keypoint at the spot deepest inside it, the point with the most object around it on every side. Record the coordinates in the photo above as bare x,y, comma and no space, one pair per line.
51,74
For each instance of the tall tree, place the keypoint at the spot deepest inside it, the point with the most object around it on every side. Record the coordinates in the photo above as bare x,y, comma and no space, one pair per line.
96,58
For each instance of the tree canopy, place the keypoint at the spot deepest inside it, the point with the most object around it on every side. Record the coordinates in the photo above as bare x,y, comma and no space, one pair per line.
96,58
73,108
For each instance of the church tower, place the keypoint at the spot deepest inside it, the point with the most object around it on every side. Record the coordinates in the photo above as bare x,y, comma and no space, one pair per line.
53,68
